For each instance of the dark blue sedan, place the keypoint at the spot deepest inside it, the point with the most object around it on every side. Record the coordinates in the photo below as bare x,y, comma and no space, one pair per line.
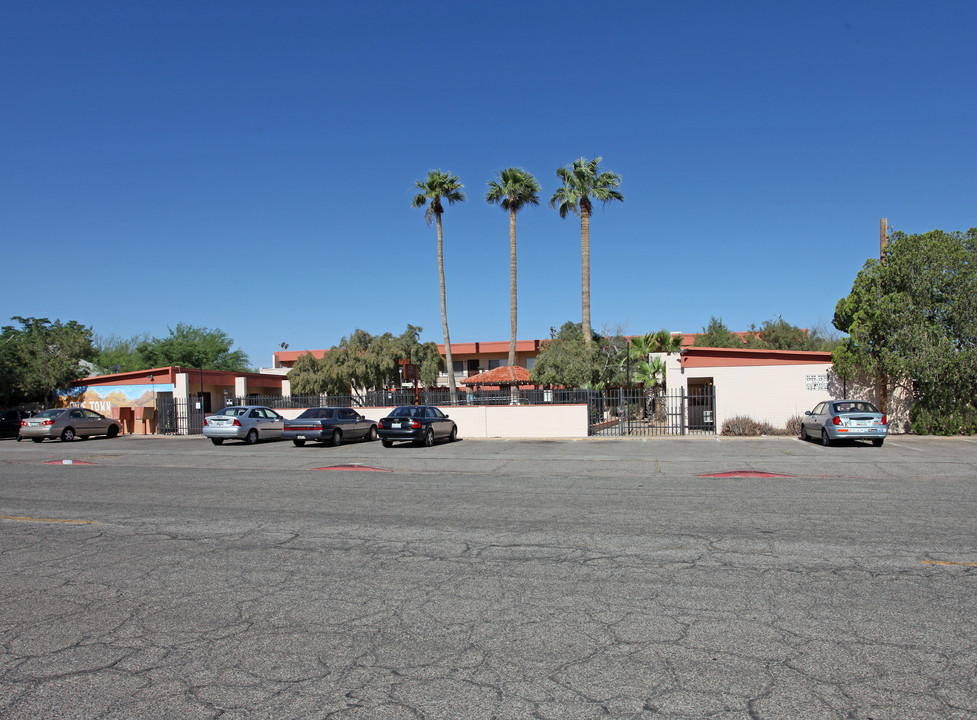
419,424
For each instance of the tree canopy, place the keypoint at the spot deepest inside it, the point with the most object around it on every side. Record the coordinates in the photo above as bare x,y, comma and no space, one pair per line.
40,357
912,317
771,335
186,346
362,361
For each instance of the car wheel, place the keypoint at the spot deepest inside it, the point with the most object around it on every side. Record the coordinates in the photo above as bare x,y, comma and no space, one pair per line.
252,437
804,435
454,433
68,434
217,441
372,435
113,431
298,443
878,442
825,440
337,437
384,442
37,439
429,438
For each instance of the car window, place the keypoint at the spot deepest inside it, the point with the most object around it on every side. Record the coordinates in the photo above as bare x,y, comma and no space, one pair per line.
254,413
347,414
92,415
402,412
436,412
53,412
233,411
77,414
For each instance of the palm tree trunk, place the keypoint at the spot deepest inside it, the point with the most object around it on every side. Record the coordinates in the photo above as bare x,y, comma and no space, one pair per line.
512,285
585,272
444,315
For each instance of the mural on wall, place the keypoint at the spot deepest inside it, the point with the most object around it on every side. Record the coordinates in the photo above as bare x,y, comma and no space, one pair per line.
102,398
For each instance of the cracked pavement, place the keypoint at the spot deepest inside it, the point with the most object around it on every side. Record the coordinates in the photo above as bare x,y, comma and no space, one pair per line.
489,579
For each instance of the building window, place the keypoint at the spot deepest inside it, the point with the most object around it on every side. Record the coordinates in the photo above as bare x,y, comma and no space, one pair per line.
530,363
458,366
502,362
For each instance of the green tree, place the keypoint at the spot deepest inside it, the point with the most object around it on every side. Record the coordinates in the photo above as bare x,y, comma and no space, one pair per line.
40,357
717,335
119,352
191,346
582,181
438,187
365,362
912,317
566,360
512,190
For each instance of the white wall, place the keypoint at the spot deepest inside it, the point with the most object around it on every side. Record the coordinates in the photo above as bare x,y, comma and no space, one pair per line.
766,393
505,421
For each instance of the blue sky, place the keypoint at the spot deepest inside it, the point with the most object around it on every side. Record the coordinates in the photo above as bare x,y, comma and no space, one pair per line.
250,165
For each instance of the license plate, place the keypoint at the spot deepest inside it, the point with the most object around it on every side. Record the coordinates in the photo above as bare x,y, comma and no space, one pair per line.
35,424
300,437
395,425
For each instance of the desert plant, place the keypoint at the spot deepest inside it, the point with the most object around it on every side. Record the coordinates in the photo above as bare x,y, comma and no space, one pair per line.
744,425
793,425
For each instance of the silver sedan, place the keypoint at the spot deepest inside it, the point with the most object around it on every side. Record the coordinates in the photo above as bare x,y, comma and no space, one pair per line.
845,420
250,423
68,424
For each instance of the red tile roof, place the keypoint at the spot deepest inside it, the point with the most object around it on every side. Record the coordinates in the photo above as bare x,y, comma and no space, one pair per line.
505,375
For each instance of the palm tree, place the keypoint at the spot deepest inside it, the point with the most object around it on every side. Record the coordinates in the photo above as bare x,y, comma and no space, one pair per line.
440,186
512,189
582,181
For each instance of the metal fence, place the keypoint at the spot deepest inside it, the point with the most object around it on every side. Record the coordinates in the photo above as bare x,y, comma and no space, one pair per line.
636,411
177,416
440,397
613,412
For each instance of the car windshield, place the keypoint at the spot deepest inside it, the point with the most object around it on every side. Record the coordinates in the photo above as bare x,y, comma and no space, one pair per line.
317,413
233,411
53,412
849,407
407,411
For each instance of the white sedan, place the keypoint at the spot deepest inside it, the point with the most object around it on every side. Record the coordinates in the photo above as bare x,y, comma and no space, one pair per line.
249,423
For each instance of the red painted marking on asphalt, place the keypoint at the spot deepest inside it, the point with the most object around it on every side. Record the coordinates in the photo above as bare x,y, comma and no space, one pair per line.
68,462
362,468
746,474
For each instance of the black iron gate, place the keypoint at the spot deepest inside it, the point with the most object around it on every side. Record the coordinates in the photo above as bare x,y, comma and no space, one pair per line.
635,411
177,416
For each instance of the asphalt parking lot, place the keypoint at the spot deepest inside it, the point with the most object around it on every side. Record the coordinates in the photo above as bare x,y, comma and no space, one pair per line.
619,578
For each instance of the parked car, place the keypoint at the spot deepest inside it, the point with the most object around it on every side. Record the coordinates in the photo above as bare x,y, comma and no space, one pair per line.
68,424
10,422
250,423
421,424
845,420
329,424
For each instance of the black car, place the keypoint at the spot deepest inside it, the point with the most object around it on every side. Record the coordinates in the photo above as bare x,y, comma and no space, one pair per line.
10,422
420,424
329,424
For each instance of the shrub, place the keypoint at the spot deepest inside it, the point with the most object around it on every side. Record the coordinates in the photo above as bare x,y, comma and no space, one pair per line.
793,425
745,426
956,421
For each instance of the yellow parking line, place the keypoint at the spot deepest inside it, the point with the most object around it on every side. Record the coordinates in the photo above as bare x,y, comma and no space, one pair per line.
947,562
47,520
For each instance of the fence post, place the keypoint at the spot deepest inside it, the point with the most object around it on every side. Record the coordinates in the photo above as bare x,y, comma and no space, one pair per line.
684,401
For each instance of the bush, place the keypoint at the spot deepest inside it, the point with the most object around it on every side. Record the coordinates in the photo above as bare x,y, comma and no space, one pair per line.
793,425
961,421
746,426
